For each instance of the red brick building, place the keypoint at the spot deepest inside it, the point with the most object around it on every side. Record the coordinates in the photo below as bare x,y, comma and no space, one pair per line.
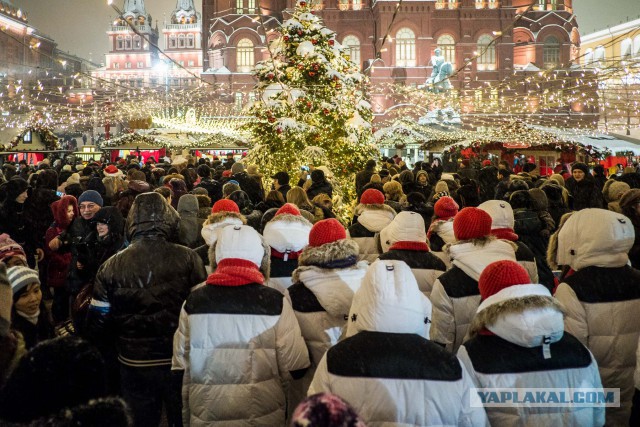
528,38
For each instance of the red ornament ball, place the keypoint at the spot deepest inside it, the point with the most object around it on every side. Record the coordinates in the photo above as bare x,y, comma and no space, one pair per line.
286,38
303,3
312,73
270,76
314,41
300,66
299,32
272,119
331,42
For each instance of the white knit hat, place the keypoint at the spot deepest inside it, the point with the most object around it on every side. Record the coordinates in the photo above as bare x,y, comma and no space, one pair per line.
389,300
239,241
20,277
405,227
500,212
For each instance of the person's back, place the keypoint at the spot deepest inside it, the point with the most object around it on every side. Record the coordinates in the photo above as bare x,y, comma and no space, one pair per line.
137,295
238,340
507,350
386,368
602,297
373,216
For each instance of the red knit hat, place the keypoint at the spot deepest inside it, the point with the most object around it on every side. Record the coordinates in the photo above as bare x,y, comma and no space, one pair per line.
445,208
486,163
225,205
226,173
372,197
111,169
499,275
471,223
326,231
288,208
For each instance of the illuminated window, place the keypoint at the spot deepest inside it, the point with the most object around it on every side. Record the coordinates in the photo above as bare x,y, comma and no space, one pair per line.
551,52
140,64
238,100
343,4
127,65
244,56
116,65
357,4
352,48
447,45
239,7
487,52
252,6
479,4
405,48
493,4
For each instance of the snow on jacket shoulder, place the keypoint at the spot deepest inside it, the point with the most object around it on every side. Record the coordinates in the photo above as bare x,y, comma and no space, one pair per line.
235,353
520,318
425,266
455,295
371,220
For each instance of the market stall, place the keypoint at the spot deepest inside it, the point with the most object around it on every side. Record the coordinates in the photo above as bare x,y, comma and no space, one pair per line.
33,144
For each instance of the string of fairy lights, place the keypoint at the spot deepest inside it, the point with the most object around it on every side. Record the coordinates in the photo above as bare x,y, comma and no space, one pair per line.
545,97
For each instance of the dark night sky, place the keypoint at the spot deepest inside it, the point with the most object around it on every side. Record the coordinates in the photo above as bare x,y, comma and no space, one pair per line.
79,26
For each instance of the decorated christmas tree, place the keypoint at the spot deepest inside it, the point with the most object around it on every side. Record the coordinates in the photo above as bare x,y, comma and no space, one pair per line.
311,109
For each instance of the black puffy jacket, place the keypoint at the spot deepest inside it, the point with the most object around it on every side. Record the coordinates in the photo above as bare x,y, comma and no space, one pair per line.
139,291
528,227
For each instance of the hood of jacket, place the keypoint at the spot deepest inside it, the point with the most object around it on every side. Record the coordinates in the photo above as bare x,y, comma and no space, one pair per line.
526,222
286,232
389,300
111,216
472,258
138,186
218,221
188,205
339,254
521,314
611,236
334,287
375,217
151,215
59,210
444,229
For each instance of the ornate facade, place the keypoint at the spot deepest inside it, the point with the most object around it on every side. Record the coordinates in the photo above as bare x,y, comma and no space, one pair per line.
485,40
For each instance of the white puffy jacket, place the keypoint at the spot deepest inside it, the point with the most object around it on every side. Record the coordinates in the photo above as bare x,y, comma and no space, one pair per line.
602,298
512,356
455,294
371,220
386,369
236,346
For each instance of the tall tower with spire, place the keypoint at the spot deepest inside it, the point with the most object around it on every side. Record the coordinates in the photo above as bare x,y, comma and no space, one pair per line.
183,43
133,52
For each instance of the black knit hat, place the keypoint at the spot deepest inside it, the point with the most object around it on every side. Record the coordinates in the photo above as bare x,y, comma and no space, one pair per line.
581,166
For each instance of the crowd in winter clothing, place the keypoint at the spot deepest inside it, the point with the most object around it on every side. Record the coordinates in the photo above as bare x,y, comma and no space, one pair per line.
197,292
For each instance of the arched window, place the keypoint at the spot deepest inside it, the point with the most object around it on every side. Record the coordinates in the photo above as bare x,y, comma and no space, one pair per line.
190,40
551,52
599,54
119,43
127,42
244,56
447,45
625,48
357,4
487,53
636,47
181,40
173,41
343,4
239,7
252,6
137,43
405,48
352,48
588,57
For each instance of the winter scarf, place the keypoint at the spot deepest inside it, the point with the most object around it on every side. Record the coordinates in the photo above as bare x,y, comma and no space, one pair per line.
410,246
472,258
235,272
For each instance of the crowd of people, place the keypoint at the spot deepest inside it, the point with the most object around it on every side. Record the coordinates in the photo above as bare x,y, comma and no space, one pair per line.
200,292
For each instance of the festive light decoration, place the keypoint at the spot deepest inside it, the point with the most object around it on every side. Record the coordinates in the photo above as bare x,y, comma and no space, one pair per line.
312,109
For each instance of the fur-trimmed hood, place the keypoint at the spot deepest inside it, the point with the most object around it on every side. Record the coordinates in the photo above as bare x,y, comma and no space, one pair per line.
286,232
338,254
188,206
521,314
473,256
552,248
375,217
444,229
334,287
217,221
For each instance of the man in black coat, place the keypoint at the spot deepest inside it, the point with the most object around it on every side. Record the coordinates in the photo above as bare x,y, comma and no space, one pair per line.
583,189
363,177
247,184
281,183
213,187
137,298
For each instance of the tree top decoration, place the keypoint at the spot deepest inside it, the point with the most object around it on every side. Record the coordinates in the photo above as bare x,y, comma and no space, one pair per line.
312,107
